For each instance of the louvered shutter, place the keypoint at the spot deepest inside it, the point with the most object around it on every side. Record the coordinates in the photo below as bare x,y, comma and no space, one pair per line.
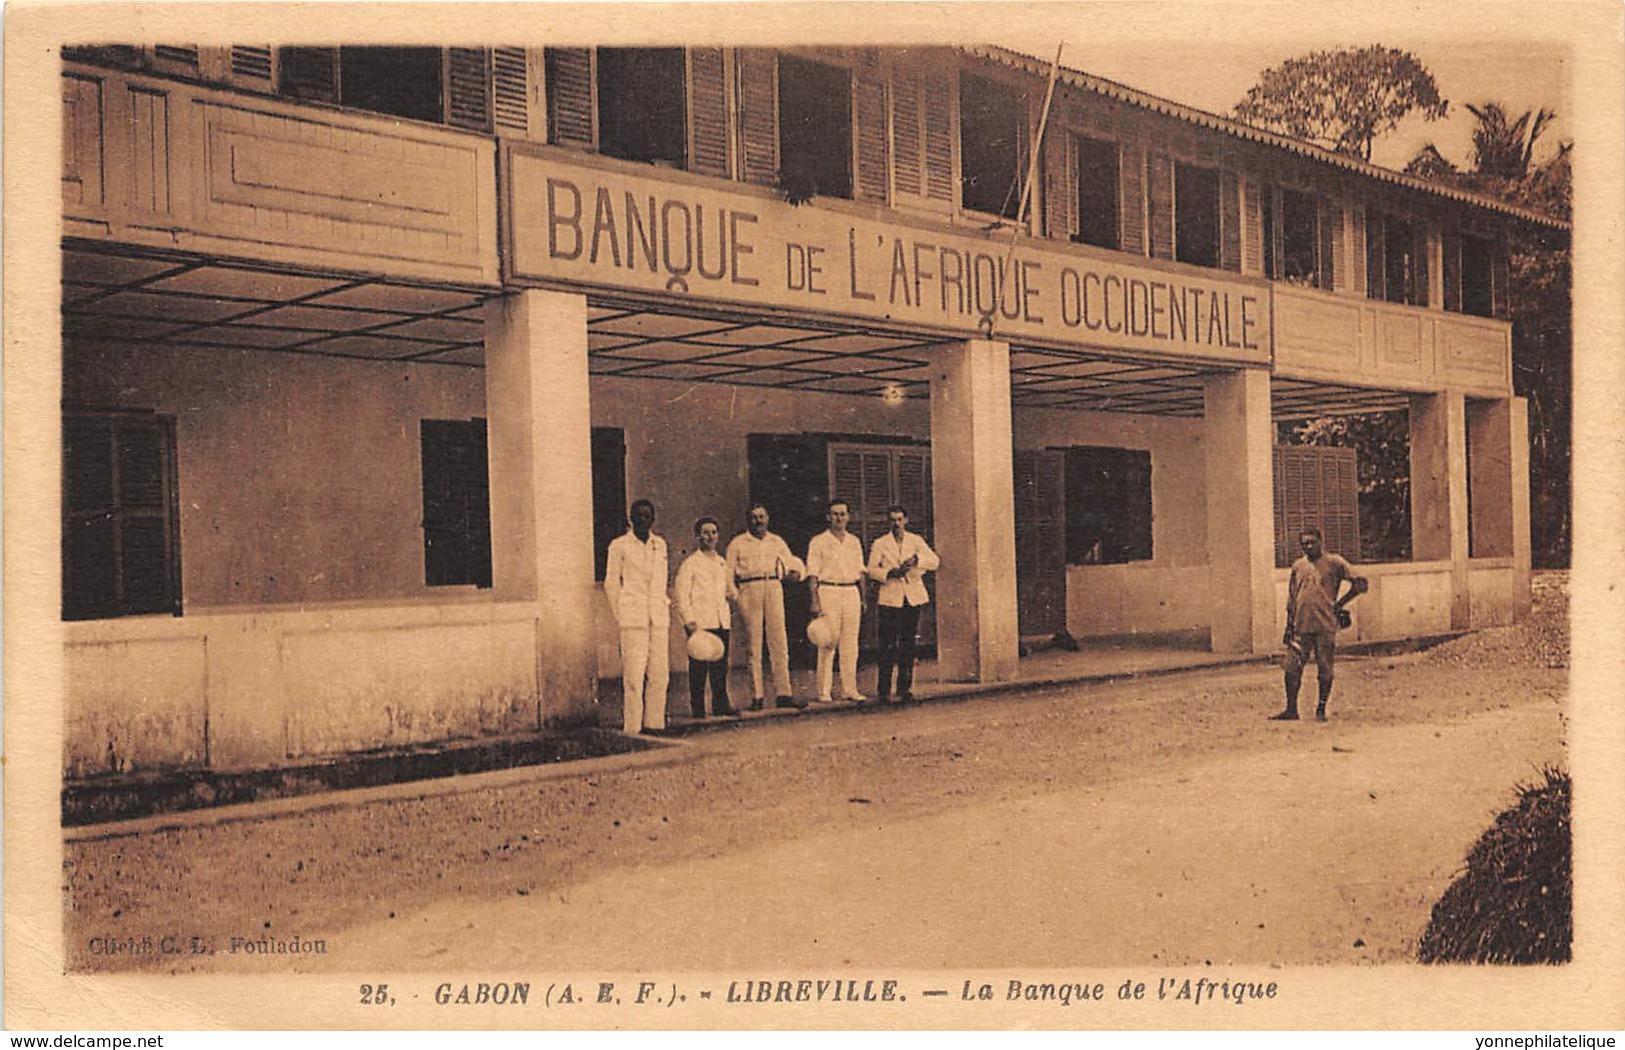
1160,203
1060,192
1132,200
914,490
569,97
1040,487
1252,220
939,141
468,88
908,132
309,72
1229,220
1376,273
181,59
1452,272
1331,245
1500,280
708,92
249,66
758,115
1359,278
1421,253
1339,507
874,161
514,93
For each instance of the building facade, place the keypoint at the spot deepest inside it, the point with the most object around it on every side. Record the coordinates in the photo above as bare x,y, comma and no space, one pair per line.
366,350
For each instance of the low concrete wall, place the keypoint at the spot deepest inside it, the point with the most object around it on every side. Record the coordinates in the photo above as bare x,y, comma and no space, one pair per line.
1406,600
233,689
1137,598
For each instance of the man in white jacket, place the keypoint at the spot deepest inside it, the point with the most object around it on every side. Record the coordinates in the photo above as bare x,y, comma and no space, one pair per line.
899,560
635,584
705,591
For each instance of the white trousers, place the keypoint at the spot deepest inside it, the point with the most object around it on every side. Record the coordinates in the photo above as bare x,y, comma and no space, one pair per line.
761,606
644,679
844,606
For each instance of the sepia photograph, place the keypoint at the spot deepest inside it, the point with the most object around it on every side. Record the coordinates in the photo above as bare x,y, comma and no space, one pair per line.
852,516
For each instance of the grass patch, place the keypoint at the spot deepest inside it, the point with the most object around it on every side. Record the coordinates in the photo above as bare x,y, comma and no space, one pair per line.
1513,903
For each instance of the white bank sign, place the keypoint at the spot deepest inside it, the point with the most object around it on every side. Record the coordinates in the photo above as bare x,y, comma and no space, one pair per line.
590,227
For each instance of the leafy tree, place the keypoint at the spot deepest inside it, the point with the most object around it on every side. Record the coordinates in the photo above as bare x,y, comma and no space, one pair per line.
1504,149
1343,99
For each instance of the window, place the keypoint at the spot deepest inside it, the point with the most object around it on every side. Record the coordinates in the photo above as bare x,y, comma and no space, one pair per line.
1300,238
815,129
1477,290
608,493
441,85
1108,506
992,145
457,500
120,522
1272,253
871,477
1196,215
1098,177
1396,268
456,504
400,81
642,107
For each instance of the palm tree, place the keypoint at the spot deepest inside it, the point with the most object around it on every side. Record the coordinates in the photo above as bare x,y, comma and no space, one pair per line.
1502,148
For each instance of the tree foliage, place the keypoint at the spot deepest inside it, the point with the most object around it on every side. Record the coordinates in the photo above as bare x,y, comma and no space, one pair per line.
1342,99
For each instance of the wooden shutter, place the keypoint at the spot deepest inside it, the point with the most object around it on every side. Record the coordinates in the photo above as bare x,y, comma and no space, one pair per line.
1331,244
1420,237
468,88
758,115
1316,485
873,138
1059,165
708,94
908,132
456,503
514,93
1376,257
121,55
1252,220
178,59
1452,271
120,537
309,72
249,66
1159,175
608,492
1500,280
1359,277
939,134
570,97
914,490
1132,199
1229,220
1040,514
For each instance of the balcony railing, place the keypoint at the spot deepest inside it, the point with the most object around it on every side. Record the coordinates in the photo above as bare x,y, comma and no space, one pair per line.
1363,342
172,165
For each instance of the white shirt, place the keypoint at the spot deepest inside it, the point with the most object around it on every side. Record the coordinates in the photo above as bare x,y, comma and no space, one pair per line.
835,561
635,581
769,558
704,586
887,553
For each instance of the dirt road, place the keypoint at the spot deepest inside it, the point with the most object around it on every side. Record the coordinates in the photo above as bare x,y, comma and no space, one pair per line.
1148,822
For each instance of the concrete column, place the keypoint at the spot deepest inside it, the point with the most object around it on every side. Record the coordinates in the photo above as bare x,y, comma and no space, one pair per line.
1498,479
539,447
1439,491
1238,442
974,513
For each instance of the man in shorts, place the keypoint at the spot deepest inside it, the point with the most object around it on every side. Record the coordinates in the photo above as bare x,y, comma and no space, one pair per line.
1314,614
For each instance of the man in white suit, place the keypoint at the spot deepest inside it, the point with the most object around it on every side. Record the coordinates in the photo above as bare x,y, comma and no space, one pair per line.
635,584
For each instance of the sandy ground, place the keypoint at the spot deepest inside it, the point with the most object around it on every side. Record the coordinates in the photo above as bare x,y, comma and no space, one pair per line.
1165,821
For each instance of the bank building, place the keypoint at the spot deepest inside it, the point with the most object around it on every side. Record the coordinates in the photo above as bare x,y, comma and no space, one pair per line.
365,351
